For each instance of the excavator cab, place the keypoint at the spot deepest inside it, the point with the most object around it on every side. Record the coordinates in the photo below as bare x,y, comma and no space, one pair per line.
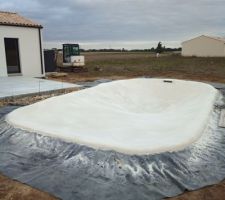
71,56
70,50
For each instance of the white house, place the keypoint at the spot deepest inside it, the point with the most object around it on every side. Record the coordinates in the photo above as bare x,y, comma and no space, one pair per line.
20,46
204,46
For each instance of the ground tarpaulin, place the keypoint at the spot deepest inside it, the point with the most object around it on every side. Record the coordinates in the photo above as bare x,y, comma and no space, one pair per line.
72,171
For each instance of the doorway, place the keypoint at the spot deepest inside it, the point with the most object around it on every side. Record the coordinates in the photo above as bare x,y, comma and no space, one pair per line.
12,55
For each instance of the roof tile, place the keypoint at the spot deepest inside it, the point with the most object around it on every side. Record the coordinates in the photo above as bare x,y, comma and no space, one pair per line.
14,19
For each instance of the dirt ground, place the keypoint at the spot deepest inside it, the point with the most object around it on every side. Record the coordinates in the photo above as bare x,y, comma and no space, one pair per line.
13,190
122,66
129,64
26,100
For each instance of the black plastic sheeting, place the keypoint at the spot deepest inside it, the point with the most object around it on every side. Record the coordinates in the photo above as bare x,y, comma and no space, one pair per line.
71,171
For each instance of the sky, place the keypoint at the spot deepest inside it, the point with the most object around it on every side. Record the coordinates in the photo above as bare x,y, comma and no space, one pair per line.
122,23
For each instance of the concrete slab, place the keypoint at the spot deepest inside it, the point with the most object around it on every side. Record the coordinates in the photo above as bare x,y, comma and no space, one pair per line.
16,86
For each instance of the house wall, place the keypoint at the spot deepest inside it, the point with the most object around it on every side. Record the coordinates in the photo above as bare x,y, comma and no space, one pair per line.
29,50
203,47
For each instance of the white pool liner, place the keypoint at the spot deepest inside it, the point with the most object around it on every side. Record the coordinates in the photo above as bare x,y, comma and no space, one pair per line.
136,116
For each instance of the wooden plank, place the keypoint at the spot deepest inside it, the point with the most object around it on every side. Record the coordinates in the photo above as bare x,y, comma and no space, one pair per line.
222,119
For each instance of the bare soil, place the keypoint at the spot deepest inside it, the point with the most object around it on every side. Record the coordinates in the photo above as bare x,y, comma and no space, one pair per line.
129,64
13,190
26,100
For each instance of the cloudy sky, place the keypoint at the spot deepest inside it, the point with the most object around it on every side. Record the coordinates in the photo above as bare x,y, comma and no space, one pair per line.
122,23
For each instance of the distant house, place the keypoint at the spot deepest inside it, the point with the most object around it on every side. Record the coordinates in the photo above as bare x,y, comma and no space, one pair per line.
204,46
20,46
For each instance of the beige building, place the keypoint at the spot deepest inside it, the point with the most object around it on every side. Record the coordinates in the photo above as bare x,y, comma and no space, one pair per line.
20,46
204,46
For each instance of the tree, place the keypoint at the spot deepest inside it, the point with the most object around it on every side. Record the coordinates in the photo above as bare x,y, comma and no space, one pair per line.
159,48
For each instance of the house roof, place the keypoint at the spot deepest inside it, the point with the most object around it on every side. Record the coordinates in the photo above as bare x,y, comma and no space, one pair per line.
14,19
211,37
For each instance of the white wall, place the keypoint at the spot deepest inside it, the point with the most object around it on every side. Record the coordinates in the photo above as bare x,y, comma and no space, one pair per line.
29,50
203,47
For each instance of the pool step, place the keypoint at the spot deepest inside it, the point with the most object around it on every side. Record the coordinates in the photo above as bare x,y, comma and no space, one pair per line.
222,119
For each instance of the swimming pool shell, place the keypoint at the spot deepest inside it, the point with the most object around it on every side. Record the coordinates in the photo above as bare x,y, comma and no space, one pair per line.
136,116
